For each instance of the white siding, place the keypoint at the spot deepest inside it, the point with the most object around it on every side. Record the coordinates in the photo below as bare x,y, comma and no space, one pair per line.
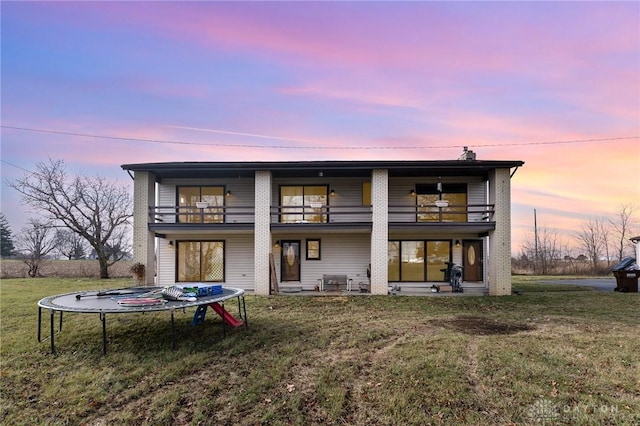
239,262
241,200
167,201
399,195
348,198
340,254
166,262
476,194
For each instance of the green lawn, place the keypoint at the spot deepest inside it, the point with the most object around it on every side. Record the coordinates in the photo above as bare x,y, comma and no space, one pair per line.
549,356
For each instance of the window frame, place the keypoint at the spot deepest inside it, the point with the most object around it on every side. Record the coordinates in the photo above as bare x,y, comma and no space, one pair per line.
425,263
303,210
177,260
319,249
190,214
426,212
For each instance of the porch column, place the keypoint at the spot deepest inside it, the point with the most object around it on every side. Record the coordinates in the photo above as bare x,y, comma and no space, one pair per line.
262,232
500,238
144,195
380,231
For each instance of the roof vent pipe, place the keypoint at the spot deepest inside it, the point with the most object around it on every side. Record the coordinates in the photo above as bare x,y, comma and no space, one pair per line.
467,154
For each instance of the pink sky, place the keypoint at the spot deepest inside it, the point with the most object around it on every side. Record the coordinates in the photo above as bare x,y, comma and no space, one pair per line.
495,76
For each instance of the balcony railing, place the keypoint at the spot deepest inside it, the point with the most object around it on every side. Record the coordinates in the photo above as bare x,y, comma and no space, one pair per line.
316,213
452,213
322,214
188,215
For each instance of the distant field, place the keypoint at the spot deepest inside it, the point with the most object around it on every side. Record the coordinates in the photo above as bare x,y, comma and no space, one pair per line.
64,268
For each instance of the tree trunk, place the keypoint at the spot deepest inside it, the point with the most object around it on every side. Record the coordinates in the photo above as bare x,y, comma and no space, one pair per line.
104,270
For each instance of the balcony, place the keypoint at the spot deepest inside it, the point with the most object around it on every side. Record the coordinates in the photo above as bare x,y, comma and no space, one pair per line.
470,217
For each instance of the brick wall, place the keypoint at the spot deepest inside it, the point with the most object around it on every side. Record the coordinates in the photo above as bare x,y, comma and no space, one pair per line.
143,239
262,238
500,238
380,232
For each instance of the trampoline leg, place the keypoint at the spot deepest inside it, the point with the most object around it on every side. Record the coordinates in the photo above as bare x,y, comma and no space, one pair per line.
103,318
244,308
53,316
173,331
60,326
39,324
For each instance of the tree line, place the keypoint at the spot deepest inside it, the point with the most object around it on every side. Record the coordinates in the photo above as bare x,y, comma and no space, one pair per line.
599,244
80,216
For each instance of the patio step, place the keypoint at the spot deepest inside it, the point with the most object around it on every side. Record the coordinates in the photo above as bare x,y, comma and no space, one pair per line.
474,289
290,289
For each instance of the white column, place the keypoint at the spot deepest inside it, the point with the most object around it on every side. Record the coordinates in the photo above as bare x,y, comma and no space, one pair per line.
144,195
380,232
499,260
262,232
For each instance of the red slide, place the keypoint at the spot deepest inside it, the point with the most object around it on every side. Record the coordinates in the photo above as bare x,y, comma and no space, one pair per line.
226,316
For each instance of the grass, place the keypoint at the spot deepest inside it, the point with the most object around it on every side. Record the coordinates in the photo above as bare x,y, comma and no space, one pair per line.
548,356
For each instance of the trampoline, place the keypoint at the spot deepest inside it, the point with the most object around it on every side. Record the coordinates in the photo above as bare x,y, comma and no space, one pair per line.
103,302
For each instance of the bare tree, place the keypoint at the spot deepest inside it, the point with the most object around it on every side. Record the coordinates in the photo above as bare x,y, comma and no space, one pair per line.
621,225
593,239
92,207
70,245
544,254
35,242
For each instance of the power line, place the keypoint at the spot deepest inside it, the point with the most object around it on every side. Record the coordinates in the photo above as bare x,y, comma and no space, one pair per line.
16,166
160,141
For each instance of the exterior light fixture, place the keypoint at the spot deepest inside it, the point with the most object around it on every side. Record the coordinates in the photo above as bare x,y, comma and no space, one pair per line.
457,243
170,244
412,192
228,193
333,193
277,245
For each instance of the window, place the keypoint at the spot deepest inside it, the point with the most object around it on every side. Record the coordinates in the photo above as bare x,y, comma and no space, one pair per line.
189,198
418,260
412,260
200,261
366,193
303,204
313,249
455,194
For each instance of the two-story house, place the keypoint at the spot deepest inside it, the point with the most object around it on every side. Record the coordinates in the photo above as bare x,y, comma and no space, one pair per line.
387,223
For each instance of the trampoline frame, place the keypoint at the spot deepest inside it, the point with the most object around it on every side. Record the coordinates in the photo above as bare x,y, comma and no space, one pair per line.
103,305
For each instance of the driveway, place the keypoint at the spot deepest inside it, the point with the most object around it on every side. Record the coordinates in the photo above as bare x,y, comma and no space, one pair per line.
598,284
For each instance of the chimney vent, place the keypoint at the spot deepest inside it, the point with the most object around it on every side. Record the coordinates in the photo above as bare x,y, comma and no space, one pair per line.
467,154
